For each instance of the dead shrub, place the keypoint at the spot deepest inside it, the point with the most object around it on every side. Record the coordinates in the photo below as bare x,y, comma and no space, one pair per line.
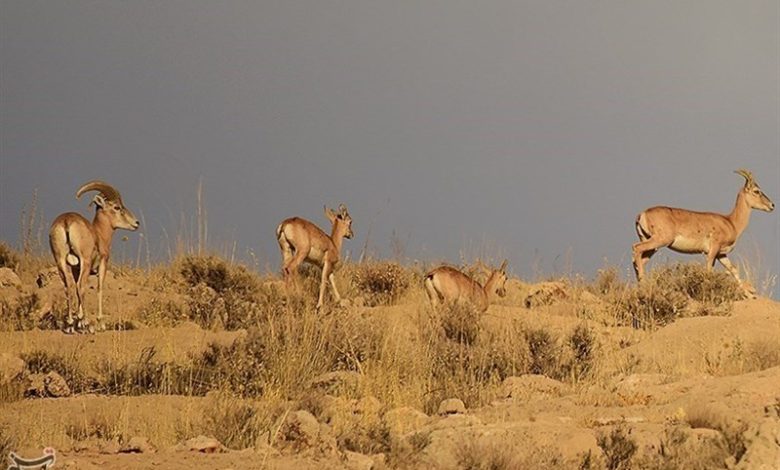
675,291
648,306
406,453
220,294
9,258
694,281
761,355
583,346
69,367
618,447
461,322
99,427
148,376
162,312
607,282
678,452
235,423
7,442
544,351
702,416
472,371
480,455
20,314
381,282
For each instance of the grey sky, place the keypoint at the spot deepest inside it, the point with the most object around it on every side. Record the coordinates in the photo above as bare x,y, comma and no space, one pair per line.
535,128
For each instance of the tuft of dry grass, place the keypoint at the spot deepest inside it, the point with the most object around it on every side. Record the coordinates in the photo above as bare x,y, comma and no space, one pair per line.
69,367
704,416
8,257
677,451
618,447
382,282
671,292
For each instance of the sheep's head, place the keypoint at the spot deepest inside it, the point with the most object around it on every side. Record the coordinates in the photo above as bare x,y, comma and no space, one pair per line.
110,202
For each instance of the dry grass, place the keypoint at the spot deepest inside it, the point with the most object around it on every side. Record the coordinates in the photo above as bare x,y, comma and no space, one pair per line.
8,257
382,282
670,292
677,451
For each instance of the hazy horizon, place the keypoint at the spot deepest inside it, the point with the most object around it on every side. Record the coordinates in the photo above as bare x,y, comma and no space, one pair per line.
534,131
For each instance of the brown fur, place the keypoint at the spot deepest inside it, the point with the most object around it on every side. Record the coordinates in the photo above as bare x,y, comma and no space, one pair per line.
688,231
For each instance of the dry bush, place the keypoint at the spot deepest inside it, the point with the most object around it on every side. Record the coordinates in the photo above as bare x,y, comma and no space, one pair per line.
671,292
761,355
461,322
69,367
220,294
381,282
367,437
607,282
147,376
545,352
7,442
99,427
471,371
20,314
648,306
480,455
618,447
693,280
236,423
406,453
584,347
678,452
285,353
161,312
9,258
702,416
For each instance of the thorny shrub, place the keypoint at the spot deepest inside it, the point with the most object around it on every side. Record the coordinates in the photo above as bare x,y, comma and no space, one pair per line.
381,283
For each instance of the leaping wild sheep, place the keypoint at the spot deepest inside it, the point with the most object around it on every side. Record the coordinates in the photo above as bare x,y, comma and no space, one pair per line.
693,232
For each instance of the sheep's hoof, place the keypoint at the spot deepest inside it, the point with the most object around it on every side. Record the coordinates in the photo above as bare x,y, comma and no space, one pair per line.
68,330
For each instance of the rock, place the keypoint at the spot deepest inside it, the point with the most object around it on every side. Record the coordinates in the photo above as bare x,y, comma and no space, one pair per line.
56,387
336,383
11,368
206,445
300,429
8,278
356,461
35,387
762,442
452,406
545,293
400,421
529,386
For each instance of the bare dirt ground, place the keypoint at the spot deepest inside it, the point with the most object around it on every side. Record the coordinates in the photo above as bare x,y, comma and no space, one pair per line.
698,392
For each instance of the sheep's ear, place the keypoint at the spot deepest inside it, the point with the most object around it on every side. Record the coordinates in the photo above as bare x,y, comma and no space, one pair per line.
330,214
99,201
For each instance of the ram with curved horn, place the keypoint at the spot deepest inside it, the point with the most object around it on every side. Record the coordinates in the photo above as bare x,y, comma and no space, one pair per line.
302,241
708,233
78,244
446,284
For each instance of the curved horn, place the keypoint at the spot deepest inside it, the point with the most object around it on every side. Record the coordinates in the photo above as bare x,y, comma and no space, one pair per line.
103,188
745,174
503,266
343,209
